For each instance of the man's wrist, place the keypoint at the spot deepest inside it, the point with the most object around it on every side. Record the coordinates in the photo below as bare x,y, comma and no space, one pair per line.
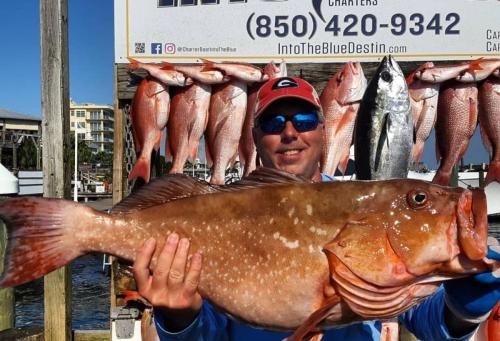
176,321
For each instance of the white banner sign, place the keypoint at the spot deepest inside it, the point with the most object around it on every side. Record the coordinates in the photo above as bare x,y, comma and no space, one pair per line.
306,30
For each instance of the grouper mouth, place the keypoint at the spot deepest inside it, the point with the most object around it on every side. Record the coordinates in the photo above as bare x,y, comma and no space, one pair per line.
472,221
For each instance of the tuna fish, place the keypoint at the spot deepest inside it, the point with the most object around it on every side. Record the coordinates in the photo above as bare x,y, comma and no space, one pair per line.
340,101
479,70
455,125
149,115
279,252
167,77
489,123
188,120
423,99
384,127
227,111
247,150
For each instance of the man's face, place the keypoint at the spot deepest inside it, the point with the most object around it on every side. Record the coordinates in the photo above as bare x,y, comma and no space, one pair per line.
292,151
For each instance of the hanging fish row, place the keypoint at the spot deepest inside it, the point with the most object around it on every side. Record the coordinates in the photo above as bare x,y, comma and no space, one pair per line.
214,99
218,99
451,97
454,98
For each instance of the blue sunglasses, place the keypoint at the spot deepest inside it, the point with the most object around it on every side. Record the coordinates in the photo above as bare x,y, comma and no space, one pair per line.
302,122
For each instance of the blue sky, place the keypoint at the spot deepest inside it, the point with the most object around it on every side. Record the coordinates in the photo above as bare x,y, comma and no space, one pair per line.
91,53
91,58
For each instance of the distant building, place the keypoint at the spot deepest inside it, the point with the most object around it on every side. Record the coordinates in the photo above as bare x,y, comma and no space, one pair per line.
16,128
94,124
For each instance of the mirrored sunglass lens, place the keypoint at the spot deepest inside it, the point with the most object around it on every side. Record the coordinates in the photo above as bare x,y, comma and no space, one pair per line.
273,124
305,122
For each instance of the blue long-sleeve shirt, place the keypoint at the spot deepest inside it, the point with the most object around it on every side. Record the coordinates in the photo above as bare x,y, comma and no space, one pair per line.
426,321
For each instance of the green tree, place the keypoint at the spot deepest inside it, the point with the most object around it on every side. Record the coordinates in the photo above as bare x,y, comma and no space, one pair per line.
84,153
103,158
27,155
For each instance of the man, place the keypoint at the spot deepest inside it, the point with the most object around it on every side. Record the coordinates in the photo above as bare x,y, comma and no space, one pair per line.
288,134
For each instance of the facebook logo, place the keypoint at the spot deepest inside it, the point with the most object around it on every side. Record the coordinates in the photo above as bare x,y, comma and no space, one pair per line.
156,48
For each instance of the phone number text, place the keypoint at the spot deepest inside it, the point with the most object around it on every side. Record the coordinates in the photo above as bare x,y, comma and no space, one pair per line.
306,26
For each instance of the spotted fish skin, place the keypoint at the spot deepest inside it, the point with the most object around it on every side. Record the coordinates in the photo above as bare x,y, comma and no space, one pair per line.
276,248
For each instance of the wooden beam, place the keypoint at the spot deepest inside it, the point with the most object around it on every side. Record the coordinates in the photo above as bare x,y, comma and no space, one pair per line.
6,294
118,145
24,334
55,132
91,335
118,164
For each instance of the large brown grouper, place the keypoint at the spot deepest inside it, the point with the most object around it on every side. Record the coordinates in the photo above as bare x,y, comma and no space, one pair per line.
279,252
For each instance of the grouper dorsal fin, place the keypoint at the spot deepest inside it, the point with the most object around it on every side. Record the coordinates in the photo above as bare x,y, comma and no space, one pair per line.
265,177
162,190
178,186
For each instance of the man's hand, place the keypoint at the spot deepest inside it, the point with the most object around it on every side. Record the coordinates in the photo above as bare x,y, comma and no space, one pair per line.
473,297
172,285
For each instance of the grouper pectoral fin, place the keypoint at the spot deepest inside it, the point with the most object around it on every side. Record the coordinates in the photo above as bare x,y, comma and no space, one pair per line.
178,186
308,331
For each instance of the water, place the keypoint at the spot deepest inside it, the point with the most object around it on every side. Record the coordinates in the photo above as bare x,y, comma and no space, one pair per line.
91,289
90,297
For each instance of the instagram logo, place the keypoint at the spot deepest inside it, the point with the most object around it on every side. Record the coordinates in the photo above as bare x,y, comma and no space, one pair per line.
169,48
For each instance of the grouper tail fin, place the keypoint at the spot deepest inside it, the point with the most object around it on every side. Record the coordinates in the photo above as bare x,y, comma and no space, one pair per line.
39,240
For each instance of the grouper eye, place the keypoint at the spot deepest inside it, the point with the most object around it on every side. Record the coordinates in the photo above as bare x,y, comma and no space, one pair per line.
417,198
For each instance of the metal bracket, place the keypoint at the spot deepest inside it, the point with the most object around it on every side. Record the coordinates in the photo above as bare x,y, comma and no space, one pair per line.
124,319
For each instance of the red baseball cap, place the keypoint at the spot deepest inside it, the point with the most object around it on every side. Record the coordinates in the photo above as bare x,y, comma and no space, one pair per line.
284,87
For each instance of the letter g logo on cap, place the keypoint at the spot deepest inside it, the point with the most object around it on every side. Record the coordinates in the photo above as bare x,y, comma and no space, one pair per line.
285,83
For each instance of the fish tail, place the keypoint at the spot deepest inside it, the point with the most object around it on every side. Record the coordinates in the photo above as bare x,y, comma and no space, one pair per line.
208,65
418,149
39,240
131,295
167,66
343,163
493,172
134,64
141,169
442,178
476,65
210,160
193,153
158,142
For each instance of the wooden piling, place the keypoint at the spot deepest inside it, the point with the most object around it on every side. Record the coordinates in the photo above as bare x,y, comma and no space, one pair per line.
55,132
6,294
118,178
